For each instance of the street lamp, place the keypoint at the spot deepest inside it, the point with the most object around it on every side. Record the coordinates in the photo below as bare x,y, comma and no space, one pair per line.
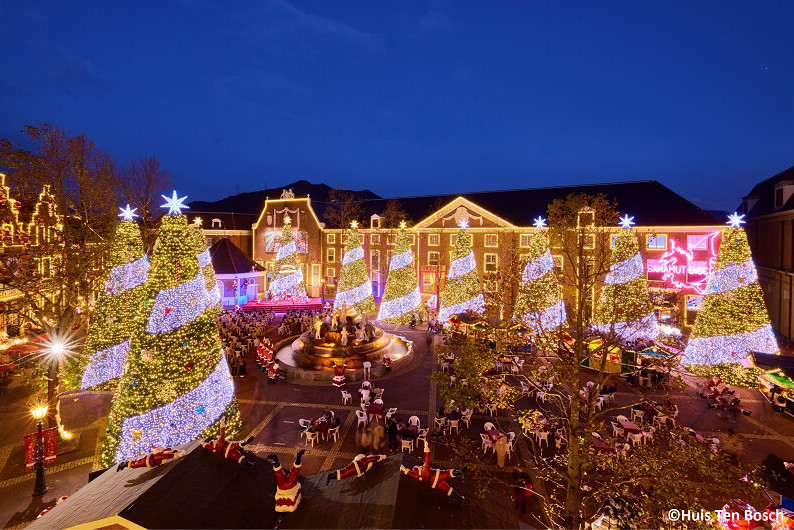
40,487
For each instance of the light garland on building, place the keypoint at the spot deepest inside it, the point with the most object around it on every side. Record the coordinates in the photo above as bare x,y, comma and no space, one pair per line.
173,308
127,276
732,320
180,421
105,365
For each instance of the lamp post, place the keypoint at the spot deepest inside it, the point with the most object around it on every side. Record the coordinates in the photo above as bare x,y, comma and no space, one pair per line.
40,488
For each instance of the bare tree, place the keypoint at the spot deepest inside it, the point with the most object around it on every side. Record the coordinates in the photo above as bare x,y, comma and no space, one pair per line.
343,208
142,182
394,214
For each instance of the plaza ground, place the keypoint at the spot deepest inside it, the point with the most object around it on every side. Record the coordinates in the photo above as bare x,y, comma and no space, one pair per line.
271,413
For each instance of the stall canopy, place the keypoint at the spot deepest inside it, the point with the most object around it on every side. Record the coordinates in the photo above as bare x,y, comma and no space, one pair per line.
779,364
204,490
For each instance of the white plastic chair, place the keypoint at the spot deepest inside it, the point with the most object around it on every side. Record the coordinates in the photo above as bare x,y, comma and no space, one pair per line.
541,396
486,443
346,397
637,415
408,444
492,408
422,435
542,436
660,419
488,426
511,436
453,424
391,412
622,418
333,432
616,430
636,438
362,417
441,424
312,437
647,436
378,402
414,420
466,418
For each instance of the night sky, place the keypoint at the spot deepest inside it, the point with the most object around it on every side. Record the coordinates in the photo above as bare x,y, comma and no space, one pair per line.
414,98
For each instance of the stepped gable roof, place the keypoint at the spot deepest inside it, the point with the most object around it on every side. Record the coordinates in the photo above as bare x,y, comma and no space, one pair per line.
227,258
228,220
762,197
650,202
205,490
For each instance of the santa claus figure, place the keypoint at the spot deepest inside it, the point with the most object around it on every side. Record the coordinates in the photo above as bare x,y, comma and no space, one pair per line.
231,450
272,372
288,489
153,459
360,465
387,362
437,478
339,374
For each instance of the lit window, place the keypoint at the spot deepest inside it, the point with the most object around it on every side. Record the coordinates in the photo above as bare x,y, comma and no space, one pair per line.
330,239
344,239
433,240
557,264
490,263
331,255
525,240
412,239
657,242
555,241
391,239
432,257
374,239
491,240
586,217
589,241
374,259
453,238
361,239
330,272
216,223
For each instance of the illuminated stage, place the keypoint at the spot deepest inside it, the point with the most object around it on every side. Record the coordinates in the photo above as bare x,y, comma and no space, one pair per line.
281,306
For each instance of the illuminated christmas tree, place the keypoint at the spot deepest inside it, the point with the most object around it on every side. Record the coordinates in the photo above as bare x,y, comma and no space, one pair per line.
108,341
539,304
354,287
624,307
733,319
205,262
401,296
462,289
289,275
176,385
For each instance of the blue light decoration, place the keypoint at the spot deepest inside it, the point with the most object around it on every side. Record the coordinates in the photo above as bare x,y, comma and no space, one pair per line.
214,394
127,276
350,256
179,305
476,304
400,306
204,259
403,259
105,365
625,271
354,295
549,319
128,213
720,349
462,266
174,204
538,268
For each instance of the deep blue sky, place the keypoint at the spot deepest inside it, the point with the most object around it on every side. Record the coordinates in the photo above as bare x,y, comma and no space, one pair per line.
410,98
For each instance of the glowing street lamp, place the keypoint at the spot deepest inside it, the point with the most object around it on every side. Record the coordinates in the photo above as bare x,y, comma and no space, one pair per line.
40,487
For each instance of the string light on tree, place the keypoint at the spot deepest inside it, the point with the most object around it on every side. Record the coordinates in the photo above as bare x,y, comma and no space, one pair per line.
355,288
624,307
177,344
733,319
289,279
462,289
401,295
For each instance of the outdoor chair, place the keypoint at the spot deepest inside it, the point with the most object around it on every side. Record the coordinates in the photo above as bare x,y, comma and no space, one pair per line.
637,415
407,444
312,437
333,432
362,417
622,418
453,424
422,435
636,438
486,443
414,420
346,397
488,426
391,412
617,432
542,436
441,424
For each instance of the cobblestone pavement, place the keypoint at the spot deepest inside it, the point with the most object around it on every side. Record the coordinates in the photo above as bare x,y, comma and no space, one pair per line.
271,414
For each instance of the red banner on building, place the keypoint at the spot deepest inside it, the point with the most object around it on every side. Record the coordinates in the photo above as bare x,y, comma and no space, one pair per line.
50,448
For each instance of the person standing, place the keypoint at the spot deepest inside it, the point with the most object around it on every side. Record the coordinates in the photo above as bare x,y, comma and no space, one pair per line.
367,370
501,450
391,430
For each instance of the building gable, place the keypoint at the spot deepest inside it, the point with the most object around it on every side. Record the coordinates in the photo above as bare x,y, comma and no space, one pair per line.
461,209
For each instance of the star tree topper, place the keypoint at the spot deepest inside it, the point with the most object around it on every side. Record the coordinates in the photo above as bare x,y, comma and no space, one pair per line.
174,204
736,220
354,224
463,224
539,223
626,221
128,213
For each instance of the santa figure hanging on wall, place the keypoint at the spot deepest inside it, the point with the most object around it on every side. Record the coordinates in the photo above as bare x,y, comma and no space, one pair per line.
153,459
436,478
231,450
339,374
360,465
288,489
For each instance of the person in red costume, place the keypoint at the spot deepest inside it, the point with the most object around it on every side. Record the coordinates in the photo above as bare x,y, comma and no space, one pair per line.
231,450
272,372
437,478
288,489
153,459
339,374
360,465
387,362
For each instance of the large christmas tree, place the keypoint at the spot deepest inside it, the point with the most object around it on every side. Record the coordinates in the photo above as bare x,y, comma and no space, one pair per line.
354,288
401,296
289,275
462,288
177,384
624,307
111,327
539,304
733,319
205,262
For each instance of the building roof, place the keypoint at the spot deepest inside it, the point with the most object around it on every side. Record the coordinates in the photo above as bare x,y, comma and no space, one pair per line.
227,258
651,203
205,490
761,199
228,220
771,361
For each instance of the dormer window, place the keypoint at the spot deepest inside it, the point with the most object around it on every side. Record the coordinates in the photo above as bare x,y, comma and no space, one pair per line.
748,203
783,191
586,217
374,221
216,223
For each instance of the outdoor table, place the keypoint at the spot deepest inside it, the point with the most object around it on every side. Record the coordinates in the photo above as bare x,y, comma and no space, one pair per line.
629,427
649,411
375,409
601,447
321,425
493,434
